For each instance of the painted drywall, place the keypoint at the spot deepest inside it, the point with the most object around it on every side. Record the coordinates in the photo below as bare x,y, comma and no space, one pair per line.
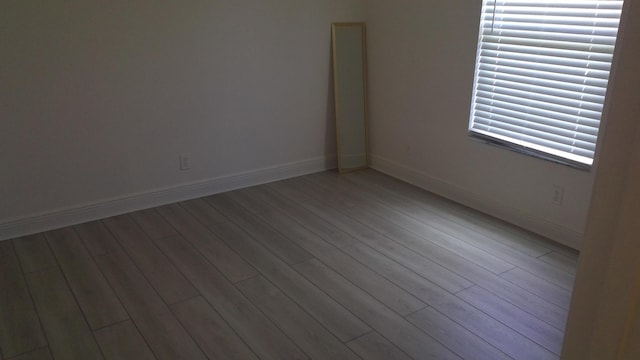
604,318
98,99
421,58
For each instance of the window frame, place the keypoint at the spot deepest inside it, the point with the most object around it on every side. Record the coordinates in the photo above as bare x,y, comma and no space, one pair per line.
521,146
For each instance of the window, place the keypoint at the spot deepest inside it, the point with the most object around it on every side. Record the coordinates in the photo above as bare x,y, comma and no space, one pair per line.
542,70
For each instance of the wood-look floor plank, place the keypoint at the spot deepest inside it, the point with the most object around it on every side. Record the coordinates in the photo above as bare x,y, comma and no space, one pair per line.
304,330
475,320
299,268
161,330
68,334
219,254
20,329
492,331
39,354
123,341
172,286
33,253
395,328
546,290
203,211
379,287
288,191
324,309
414,219
445,208
462,341
278,244
214,336
443,303
271,194
97,238
412,241
94,295
152,224
248,322
438,265
526,300
394,223
327,231
373,346
551,244
561,261
511,235
66,245
548,272
524,323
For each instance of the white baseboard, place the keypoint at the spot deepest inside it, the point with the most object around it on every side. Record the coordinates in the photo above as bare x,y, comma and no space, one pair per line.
519,217
73,215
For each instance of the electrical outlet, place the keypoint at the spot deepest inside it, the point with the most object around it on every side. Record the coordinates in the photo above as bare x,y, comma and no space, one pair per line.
185,162
558,195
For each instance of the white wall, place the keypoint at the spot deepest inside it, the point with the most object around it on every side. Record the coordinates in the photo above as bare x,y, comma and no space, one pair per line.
99,98
604,318
421,65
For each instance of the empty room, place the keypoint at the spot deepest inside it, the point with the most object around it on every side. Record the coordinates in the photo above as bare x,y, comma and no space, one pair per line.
319,179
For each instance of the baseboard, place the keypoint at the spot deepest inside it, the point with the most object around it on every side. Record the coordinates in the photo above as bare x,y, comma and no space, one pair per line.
73,215
519,217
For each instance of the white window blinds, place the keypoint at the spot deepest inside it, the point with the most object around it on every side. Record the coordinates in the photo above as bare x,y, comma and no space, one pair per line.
542,70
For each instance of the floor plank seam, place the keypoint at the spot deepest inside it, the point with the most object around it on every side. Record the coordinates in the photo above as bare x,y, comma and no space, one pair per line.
545,254
211,306
521,308
283,331
437,228
28,352
28,288
211,233
510,327
421,205
115,293
471,331
357,266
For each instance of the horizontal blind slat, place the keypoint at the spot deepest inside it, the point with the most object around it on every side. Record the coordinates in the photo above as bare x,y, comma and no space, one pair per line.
534,120
543,98
533,140
547,51
542,70
580,155
550,44
535,35
569,137
547,18
550,115
563,31
547,59
576,94
575,79
548,83
536,104
558,5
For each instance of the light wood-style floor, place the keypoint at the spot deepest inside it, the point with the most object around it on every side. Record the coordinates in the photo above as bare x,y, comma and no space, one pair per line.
322,266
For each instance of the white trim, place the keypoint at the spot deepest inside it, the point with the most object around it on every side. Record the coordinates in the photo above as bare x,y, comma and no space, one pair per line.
519,217
77,214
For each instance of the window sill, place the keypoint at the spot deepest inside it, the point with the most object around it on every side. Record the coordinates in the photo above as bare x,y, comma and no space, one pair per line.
528,151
